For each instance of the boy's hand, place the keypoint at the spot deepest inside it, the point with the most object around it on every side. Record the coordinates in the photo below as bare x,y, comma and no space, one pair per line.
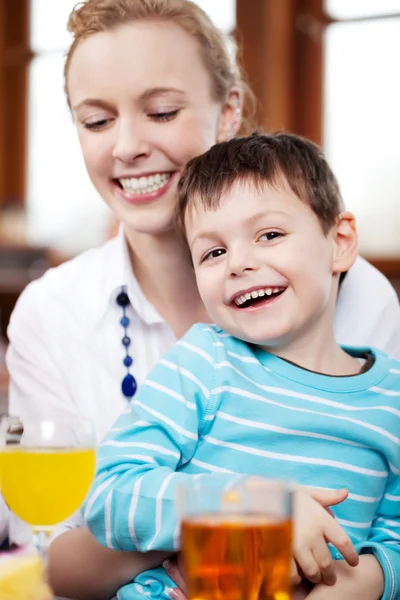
314,526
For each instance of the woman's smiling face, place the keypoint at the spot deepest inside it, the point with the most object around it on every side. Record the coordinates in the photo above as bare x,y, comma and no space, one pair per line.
141,99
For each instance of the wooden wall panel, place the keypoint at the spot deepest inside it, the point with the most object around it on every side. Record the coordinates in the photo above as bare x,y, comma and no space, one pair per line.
282,55
14,62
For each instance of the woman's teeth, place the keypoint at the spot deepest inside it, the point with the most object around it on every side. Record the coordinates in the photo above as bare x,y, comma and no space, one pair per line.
269,291
144,185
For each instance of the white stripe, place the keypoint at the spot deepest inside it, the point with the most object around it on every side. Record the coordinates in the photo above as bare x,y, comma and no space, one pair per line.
386,392
139,457
396,371
284,430
389,522
394,469
359,498
389,532
187,374
141,590
211,328
168,421
371,499
203,465
392,498
196,350
107,519
144,445
246,394
132,510
294,458
97,493
391,542
159,499
218,344
307,397
166,390
354,524
244,359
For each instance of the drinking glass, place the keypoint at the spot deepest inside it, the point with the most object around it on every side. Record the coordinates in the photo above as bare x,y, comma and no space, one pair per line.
46,468
236,540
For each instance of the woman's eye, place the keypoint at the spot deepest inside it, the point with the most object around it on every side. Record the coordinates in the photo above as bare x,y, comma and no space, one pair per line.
96,125
213,254
270,235
166,115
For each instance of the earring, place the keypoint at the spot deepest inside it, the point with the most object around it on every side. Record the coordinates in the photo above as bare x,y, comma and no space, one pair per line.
236,121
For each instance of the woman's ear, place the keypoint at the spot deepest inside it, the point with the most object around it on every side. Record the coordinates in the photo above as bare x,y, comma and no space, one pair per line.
345,240
230,117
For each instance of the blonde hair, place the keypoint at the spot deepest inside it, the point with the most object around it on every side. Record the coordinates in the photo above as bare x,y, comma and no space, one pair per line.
94,16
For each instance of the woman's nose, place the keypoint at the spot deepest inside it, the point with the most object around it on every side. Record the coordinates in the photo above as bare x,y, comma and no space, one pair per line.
131,143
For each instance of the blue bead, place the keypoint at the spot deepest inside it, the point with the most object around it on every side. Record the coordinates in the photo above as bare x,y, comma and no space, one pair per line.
128,360
122,299
129,386
126,340
124,321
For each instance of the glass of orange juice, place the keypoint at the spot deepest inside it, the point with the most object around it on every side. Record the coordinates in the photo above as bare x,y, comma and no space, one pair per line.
46,468
236,540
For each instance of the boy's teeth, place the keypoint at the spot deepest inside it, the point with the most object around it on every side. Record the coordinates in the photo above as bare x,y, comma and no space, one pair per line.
256,294
144,185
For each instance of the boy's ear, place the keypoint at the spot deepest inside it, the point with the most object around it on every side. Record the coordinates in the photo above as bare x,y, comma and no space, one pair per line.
345,242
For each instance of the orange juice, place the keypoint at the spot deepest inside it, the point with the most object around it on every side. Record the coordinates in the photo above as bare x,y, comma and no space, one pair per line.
43,486
246,557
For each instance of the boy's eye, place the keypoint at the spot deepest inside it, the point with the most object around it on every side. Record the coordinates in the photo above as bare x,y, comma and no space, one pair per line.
270,235
213,254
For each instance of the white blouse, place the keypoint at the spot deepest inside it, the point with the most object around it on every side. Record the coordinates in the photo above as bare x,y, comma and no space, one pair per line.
65,354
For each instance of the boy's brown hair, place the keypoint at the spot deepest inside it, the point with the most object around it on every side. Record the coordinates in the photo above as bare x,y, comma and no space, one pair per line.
262,159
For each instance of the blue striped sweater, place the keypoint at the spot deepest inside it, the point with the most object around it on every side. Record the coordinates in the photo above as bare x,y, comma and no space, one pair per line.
217,404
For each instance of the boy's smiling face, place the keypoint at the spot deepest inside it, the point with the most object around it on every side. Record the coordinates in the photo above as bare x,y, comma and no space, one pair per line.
266,244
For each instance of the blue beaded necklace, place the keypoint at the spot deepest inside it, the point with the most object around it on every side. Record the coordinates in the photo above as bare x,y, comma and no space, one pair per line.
129,384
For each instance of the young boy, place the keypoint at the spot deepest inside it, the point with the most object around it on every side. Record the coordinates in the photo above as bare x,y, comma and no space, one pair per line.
266,391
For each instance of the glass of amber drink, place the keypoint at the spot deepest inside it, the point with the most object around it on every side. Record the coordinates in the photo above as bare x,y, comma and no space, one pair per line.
236,540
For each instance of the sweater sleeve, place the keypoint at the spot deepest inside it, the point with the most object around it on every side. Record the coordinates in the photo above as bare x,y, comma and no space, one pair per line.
384,538
132,503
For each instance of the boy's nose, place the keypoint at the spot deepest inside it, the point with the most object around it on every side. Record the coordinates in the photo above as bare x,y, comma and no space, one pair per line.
241,264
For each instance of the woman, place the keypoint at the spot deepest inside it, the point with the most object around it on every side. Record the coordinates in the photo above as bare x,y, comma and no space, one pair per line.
150,84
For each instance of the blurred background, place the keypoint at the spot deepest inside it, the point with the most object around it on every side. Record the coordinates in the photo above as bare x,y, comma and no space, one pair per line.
325,69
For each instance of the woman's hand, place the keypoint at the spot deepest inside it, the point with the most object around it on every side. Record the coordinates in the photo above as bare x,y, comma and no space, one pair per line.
174,569
364,582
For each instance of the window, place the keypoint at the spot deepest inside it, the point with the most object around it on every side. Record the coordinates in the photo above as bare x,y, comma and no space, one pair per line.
362,117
